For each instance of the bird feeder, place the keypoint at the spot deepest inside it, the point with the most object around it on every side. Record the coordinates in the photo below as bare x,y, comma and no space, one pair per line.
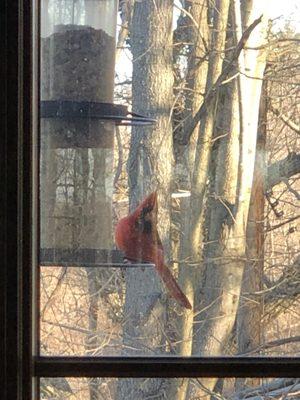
77,123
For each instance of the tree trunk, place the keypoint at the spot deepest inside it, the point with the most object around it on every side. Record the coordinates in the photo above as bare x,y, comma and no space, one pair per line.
250,312
225,256
203,147
196,81
203,155
149,168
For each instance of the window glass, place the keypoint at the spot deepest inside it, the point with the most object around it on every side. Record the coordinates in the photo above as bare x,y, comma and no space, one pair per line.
178,237
115,389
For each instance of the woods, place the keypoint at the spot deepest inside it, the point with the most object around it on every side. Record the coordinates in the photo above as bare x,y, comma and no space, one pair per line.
224,158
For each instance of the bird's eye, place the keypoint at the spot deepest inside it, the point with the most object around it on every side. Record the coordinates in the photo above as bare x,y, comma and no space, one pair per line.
144,223
146,210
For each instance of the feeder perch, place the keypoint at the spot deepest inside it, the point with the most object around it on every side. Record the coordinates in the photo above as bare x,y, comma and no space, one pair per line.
87,258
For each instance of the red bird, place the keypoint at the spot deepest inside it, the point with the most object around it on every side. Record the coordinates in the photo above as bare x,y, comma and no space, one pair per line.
138,237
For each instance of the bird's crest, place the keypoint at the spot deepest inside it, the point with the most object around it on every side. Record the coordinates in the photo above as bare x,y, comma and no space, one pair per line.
147,205
145,215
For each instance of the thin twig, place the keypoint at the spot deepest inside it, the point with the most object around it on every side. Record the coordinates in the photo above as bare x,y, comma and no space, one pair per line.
282,223
120,157
214,88
288,122
274,343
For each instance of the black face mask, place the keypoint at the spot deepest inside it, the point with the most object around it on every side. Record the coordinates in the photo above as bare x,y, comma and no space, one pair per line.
144,225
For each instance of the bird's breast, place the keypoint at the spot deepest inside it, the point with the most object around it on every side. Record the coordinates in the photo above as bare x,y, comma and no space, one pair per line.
137,245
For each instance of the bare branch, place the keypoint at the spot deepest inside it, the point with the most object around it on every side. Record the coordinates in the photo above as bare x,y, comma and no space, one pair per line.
214,88
280,170
126,15
284,118
286,291
273,343
274,388
273,42
293,390
292,190
120,157
53,296
272,228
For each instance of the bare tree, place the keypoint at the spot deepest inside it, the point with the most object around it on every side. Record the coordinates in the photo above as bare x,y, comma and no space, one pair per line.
149,168
223,157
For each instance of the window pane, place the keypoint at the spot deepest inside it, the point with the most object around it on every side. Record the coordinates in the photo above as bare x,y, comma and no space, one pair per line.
117,389
83,312
180,237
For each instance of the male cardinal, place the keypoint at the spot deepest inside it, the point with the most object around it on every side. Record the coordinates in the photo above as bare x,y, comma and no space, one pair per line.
138,237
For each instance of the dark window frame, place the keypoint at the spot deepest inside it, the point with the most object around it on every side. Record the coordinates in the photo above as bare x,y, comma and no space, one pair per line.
18,171
15,211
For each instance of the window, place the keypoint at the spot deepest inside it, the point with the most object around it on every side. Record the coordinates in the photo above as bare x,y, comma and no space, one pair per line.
59,217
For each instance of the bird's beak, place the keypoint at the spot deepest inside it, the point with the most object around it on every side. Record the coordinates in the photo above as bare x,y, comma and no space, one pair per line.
153,200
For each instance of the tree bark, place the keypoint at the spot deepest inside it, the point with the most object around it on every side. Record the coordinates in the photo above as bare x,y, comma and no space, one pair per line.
249,333
196,81
149,168
225,257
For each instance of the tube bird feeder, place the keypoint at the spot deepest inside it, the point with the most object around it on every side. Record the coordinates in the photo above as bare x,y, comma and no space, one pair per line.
77,123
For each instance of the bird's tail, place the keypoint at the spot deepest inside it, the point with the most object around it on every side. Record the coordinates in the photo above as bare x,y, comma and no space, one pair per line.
173,286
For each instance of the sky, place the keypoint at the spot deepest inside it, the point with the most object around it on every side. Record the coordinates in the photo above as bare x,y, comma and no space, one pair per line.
288,10
280,11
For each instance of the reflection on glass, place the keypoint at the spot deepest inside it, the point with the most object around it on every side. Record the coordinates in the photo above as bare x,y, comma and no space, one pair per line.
76,320
117,389
212,216
76,158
